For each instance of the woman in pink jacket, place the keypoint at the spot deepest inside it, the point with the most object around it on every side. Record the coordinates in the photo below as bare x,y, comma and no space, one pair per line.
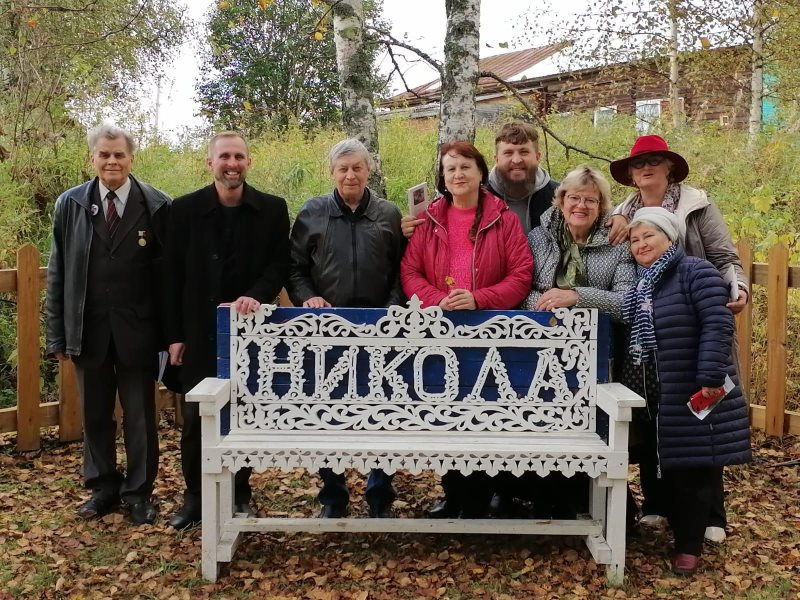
470,253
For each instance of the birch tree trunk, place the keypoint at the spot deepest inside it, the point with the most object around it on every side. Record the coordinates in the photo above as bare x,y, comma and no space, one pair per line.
674,90
355,68
461,52
757,77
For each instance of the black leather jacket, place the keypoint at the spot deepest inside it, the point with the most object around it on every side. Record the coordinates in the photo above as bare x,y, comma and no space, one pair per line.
351,262
68,266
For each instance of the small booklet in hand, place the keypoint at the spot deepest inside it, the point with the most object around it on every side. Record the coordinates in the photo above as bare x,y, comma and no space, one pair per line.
418,199
732,281
701,406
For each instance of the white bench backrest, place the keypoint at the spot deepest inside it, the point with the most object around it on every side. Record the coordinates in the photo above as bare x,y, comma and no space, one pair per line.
412,369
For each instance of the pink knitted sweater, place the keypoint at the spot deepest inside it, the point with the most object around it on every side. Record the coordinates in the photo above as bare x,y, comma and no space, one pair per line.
459,222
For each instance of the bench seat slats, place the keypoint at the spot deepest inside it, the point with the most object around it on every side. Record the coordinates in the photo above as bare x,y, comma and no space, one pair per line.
481,444
484,526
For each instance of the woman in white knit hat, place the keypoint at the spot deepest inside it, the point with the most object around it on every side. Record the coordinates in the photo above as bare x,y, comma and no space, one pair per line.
682,328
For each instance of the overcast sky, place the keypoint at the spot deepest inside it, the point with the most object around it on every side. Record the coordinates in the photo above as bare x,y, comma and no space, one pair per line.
421,22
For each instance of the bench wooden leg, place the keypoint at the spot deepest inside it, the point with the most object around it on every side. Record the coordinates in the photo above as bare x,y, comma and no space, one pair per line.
615,531
597,499
211,525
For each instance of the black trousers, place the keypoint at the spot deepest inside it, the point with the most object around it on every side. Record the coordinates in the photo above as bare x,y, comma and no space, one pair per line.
471,494
98,386
690,496
653,491
554,496
191,460
334,492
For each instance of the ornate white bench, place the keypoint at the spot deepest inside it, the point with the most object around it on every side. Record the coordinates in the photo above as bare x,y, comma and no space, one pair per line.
415,389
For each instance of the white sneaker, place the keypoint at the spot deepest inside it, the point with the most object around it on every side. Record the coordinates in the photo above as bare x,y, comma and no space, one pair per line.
654,521
716,535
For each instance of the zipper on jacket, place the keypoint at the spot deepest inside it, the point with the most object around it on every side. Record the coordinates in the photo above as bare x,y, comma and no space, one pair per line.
658,415
355,259
644,389
475,248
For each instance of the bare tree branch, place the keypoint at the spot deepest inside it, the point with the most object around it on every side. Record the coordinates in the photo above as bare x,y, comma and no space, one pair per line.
100,38
390,51
539,121
83,8
387,38
787,463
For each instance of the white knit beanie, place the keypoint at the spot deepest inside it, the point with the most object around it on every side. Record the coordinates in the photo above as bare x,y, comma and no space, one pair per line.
659,217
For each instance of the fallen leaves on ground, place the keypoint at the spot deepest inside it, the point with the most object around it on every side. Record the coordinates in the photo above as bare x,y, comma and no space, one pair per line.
49,553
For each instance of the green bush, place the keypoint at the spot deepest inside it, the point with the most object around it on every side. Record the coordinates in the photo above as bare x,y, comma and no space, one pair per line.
755,187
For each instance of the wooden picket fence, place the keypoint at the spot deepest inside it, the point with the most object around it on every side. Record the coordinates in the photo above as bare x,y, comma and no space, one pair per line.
28,281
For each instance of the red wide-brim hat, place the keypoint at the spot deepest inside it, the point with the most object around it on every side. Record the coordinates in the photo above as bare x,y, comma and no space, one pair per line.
649,144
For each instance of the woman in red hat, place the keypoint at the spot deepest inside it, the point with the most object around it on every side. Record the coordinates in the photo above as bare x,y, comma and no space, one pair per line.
657,174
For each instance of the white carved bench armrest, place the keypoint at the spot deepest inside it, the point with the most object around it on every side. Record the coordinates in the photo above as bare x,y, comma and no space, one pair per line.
212,394
616,401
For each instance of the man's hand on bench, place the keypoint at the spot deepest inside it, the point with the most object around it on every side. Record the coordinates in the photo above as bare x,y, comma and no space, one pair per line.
316,302
176,351
246,304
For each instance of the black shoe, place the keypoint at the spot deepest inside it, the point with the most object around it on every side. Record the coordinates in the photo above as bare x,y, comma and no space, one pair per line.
143,513
380,510
186,517
94,508
333,511
444,509
473,512
503,506
244,507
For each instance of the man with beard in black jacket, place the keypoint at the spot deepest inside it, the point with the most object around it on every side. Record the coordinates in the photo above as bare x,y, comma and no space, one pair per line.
228,242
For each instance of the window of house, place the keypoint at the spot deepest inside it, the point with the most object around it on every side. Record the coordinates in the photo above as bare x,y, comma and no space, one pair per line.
647,113
604,114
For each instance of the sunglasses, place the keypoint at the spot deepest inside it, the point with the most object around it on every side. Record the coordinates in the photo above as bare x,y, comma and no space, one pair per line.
653,160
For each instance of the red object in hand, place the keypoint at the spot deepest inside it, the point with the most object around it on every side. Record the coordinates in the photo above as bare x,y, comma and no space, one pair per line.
700,402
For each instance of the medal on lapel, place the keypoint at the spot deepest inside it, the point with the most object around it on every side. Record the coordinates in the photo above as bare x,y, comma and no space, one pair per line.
142,240
94,210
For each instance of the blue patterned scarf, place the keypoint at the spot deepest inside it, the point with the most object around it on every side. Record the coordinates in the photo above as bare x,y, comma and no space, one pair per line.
637,310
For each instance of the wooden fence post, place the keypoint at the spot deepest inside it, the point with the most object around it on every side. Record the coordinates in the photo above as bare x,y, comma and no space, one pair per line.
777,310
744,323
70,428
28,367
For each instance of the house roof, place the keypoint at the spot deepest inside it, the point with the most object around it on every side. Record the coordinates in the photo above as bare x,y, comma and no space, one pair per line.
510,66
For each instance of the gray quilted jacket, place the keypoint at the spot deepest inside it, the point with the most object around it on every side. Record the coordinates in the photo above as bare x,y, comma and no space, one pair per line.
610,269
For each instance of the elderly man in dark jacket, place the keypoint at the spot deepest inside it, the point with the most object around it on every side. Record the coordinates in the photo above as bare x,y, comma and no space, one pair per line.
346,248
102,312
228,242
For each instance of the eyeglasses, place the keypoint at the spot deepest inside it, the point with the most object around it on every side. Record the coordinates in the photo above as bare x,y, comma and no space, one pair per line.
653,160
588,201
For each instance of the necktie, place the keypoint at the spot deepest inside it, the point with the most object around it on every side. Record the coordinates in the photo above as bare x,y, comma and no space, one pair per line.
112,217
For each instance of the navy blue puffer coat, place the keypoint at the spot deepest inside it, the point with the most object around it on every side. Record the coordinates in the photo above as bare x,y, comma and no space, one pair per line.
694,333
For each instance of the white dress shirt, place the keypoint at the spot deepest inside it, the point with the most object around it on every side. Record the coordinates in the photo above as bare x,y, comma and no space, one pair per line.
122,193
